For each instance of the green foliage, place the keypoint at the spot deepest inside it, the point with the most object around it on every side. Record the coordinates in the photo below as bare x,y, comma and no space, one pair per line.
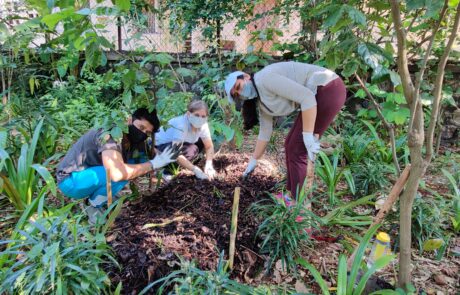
207,16
284,228
393,104
21,178
191,280
173,105
454,181
348,284
345,216
56,254
356,147
429,218
331,174
371,176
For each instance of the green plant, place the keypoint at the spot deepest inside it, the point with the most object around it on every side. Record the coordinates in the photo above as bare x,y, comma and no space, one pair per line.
454,182
354,283
20,180
355,146
191,280
331,174
345,216
429,218
371,176
284,228
55,254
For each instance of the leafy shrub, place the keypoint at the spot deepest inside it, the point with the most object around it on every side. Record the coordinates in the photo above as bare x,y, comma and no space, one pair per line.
356,147
429,218
191,280
345,216
20,179
284,228
371,176
454,181
331,174
55,254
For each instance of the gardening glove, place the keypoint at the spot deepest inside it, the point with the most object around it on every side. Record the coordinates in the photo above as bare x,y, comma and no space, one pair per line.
251,166
199,174
167,156
312,144
209,169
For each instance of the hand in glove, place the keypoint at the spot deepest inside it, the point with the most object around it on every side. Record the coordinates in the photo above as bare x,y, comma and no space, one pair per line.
312,144
209,170
199,174
169,155
250,168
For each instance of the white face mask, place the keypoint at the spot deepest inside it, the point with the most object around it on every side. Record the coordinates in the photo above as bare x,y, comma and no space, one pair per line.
196,121
248,91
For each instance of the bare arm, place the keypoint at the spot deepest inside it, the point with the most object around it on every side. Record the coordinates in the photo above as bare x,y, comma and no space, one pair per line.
309,119
261,145
119,170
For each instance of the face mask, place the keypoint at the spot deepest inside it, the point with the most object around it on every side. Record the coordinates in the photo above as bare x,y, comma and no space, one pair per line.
248,91
196,121
135,135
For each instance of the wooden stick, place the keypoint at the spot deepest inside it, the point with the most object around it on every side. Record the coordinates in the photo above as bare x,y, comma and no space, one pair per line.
309,182
108,180
392,198
310,174
236,201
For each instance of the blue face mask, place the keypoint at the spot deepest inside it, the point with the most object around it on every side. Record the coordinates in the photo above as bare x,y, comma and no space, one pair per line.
248,91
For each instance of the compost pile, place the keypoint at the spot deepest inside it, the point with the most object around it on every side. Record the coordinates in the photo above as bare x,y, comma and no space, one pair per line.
191,219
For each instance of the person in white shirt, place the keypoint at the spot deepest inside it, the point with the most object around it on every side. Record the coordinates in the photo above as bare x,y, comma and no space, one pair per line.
192,131
281,89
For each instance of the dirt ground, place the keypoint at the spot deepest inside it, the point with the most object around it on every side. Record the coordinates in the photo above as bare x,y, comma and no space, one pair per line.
190,218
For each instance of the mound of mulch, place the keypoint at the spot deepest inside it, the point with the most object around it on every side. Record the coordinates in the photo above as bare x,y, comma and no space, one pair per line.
191,219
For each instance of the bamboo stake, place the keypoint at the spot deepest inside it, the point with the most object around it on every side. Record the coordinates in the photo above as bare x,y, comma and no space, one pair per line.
309,182
236,201
108,180
392,198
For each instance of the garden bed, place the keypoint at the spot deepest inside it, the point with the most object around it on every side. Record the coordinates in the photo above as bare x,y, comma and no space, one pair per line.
191,219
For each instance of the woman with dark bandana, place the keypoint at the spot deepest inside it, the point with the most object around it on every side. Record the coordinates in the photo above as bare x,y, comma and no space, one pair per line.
81,173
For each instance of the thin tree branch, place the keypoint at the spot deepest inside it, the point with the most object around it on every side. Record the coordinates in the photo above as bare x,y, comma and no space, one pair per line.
403,66
437,92
413,20
421,72
390,127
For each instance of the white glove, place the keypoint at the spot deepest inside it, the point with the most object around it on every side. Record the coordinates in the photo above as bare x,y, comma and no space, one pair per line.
163,159
251,166
312,144
209,169
199,174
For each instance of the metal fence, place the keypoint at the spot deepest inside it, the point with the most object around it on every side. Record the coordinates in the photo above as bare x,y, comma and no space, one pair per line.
261,34
155,36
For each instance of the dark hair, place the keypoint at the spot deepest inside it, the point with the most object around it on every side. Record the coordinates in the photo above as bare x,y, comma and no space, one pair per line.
250,115
249,109
151,117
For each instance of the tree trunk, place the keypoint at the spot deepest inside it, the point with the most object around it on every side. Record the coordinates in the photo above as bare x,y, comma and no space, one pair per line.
418,168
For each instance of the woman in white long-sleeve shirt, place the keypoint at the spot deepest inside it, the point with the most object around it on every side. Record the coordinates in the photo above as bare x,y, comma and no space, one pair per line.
192,131
278,90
